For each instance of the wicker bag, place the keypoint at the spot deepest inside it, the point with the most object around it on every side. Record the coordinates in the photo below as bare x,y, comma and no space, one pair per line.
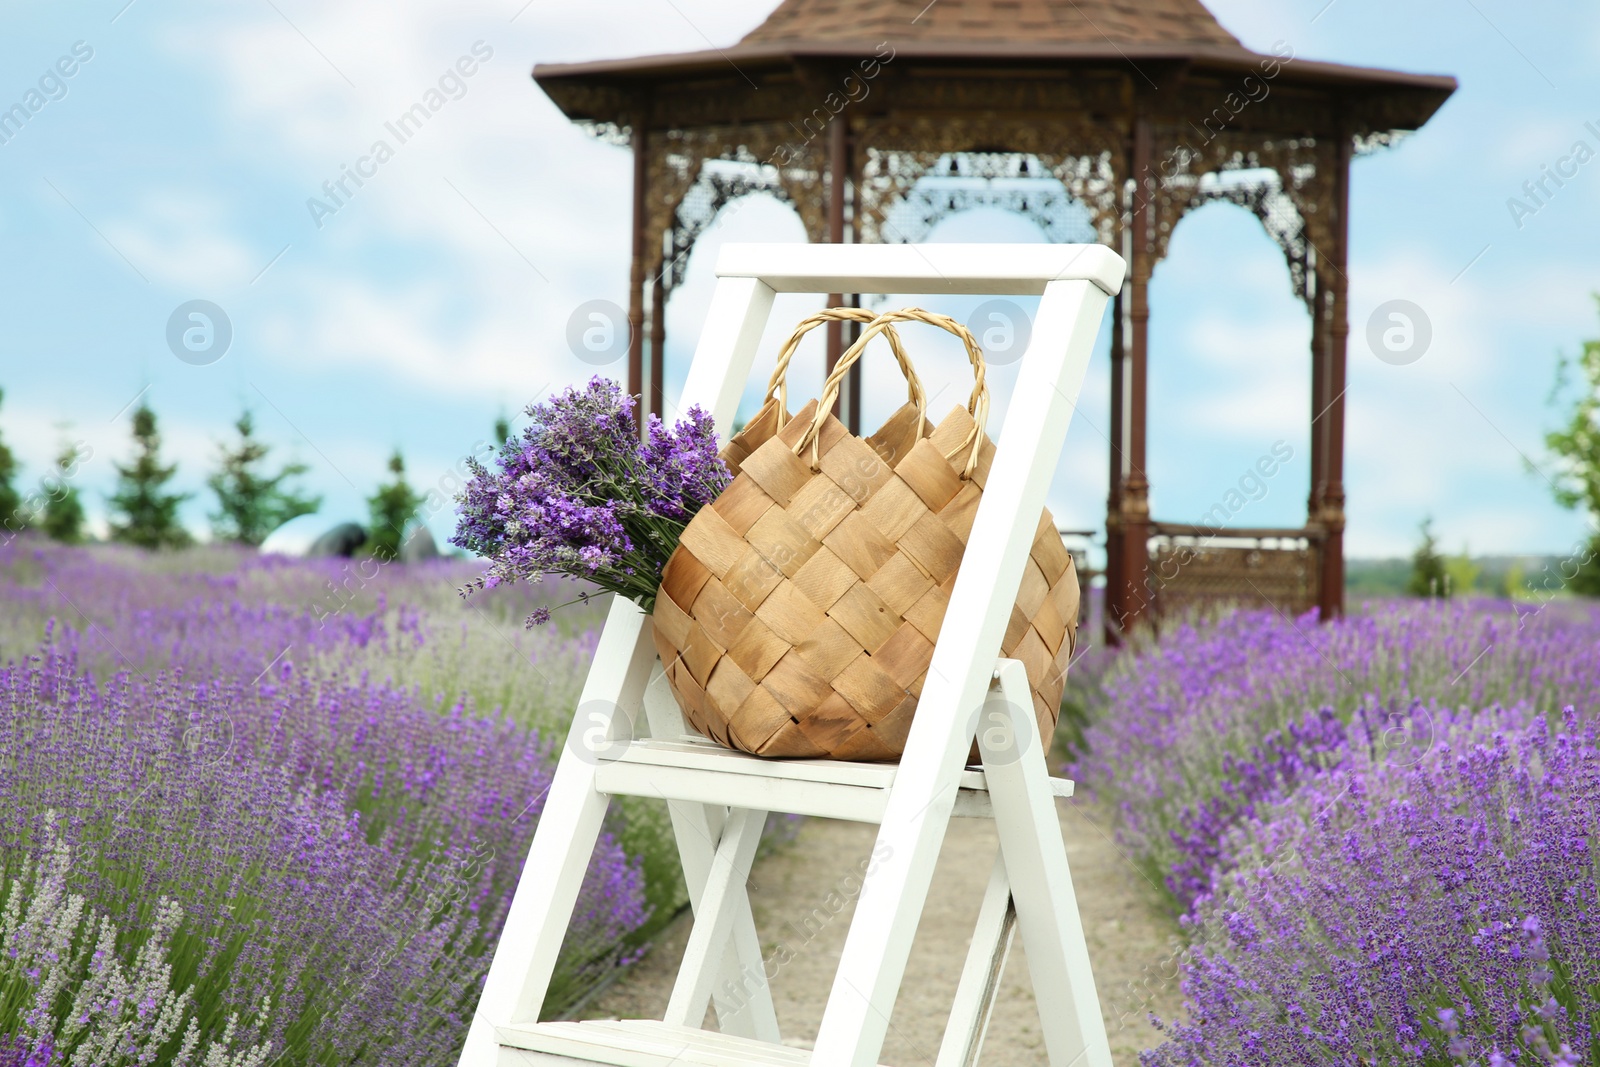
797,616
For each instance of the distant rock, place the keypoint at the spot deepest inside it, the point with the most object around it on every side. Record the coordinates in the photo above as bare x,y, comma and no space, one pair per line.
340,542
419,546
294,537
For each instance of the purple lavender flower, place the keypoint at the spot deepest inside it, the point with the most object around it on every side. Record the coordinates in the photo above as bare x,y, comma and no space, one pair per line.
682,468
1211,721
346,843
1381,831
578,494
18,1051
1444,911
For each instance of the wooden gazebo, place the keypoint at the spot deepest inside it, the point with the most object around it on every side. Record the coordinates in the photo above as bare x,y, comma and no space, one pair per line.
1102,120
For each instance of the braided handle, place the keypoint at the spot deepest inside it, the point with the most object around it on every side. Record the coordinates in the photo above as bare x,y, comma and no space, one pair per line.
778,384
977,406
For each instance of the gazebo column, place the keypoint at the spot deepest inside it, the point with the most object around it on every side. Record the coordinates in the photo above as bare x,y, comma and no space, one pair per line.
1319,392
852,330
658,342
1318,305
1115,606
848,405
641,181
1134,581
1331,598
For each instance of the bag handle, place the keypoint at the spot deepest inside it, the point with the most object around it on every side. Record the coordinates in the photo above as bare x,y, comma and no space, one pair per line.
977,406
778,384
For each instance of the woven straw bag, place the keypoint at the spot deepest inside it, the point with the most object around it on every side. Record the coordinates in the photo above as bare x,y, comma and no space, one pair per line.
798,615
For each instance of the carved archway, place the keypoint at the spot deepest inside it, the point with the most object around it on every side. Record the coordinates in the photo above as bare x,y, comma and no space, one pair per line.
720,185
1017,182
874,125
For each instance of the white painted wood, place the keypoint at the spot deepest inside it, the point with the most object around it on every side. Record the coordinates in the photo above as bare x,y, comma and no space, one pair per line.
974,803
930,784
1008,270
980,976
714,917
569,825
741,790
873,963
710,756
705,755
1041,883
697,828
728,339
642,1043
800,796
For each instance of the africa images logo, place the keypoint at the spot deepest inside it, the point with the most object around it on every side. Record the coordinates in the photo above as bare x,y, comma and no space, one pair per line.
52,85
452,85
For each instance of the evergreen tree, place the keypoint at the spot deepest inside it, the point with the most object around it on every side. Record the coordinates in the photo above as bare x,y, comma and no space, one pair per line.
392,509
1577,445
1515,584
61,514
11,517
1586,582
1429,576
141,512
251,502
1462,572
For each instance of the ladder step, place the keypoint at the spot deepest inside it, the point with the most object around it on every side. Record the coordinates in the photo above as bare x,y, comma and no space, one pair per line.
710,774
640,1043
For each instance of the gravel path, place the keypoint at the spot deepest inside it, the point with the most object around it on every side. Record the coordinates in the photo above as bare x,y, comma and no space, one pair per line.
1131,943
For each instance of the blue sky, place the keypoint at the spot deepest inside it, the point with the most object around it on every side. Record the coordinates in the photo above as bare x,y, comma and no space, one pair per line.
176,163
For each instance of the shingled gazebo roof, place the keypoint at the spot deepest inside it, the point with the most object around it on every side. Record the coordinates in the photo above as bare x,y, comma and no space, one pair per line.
1050,38
995,21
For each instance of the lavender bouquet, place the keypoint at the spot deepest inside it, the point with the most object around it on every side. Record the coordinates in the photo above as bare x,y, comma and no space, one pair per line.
579,494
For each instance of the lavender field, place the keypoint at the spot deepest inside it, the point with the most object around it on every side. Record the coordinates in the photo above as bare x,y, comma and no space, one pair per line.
255,810
1379,834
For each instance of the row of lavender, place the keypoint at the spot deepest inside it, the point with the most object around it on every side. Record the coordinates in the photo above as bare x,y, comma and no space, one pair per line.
263,811
1380,834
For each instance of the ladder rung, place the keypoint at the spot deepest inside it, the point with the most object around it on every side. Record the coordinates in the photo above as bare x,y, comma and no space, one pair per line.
711,774
643,1043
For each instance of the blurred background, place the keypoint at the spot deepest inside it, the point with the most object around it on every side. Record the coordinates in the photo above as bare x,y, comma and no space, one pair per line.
190,153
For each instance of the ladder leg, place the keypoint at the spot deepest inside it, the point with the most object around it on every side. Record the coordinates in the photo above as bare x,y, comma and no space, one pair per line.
740,994
980,977
918,810
1041,883
856,1019
713,921
563,845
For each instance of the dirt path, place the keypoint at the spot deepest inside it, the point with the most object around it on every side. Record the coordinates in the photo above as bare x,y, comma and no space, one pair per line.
1131,943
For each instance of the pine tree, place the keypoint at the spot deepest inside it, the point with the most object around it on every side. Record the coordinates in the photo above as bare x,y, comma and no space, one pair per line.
252,503
392,509
1462,572
1586,582
1578,483
141,513
11,517
61,514
1429,576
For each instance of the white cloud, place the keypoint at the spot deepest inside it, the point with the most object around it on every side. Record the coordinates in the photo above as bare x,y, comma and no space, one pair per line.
184,238
395,332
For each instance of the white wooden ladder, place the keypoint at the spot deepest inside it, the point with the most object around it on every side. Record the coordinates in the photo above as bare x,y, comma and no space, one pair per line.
719,799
